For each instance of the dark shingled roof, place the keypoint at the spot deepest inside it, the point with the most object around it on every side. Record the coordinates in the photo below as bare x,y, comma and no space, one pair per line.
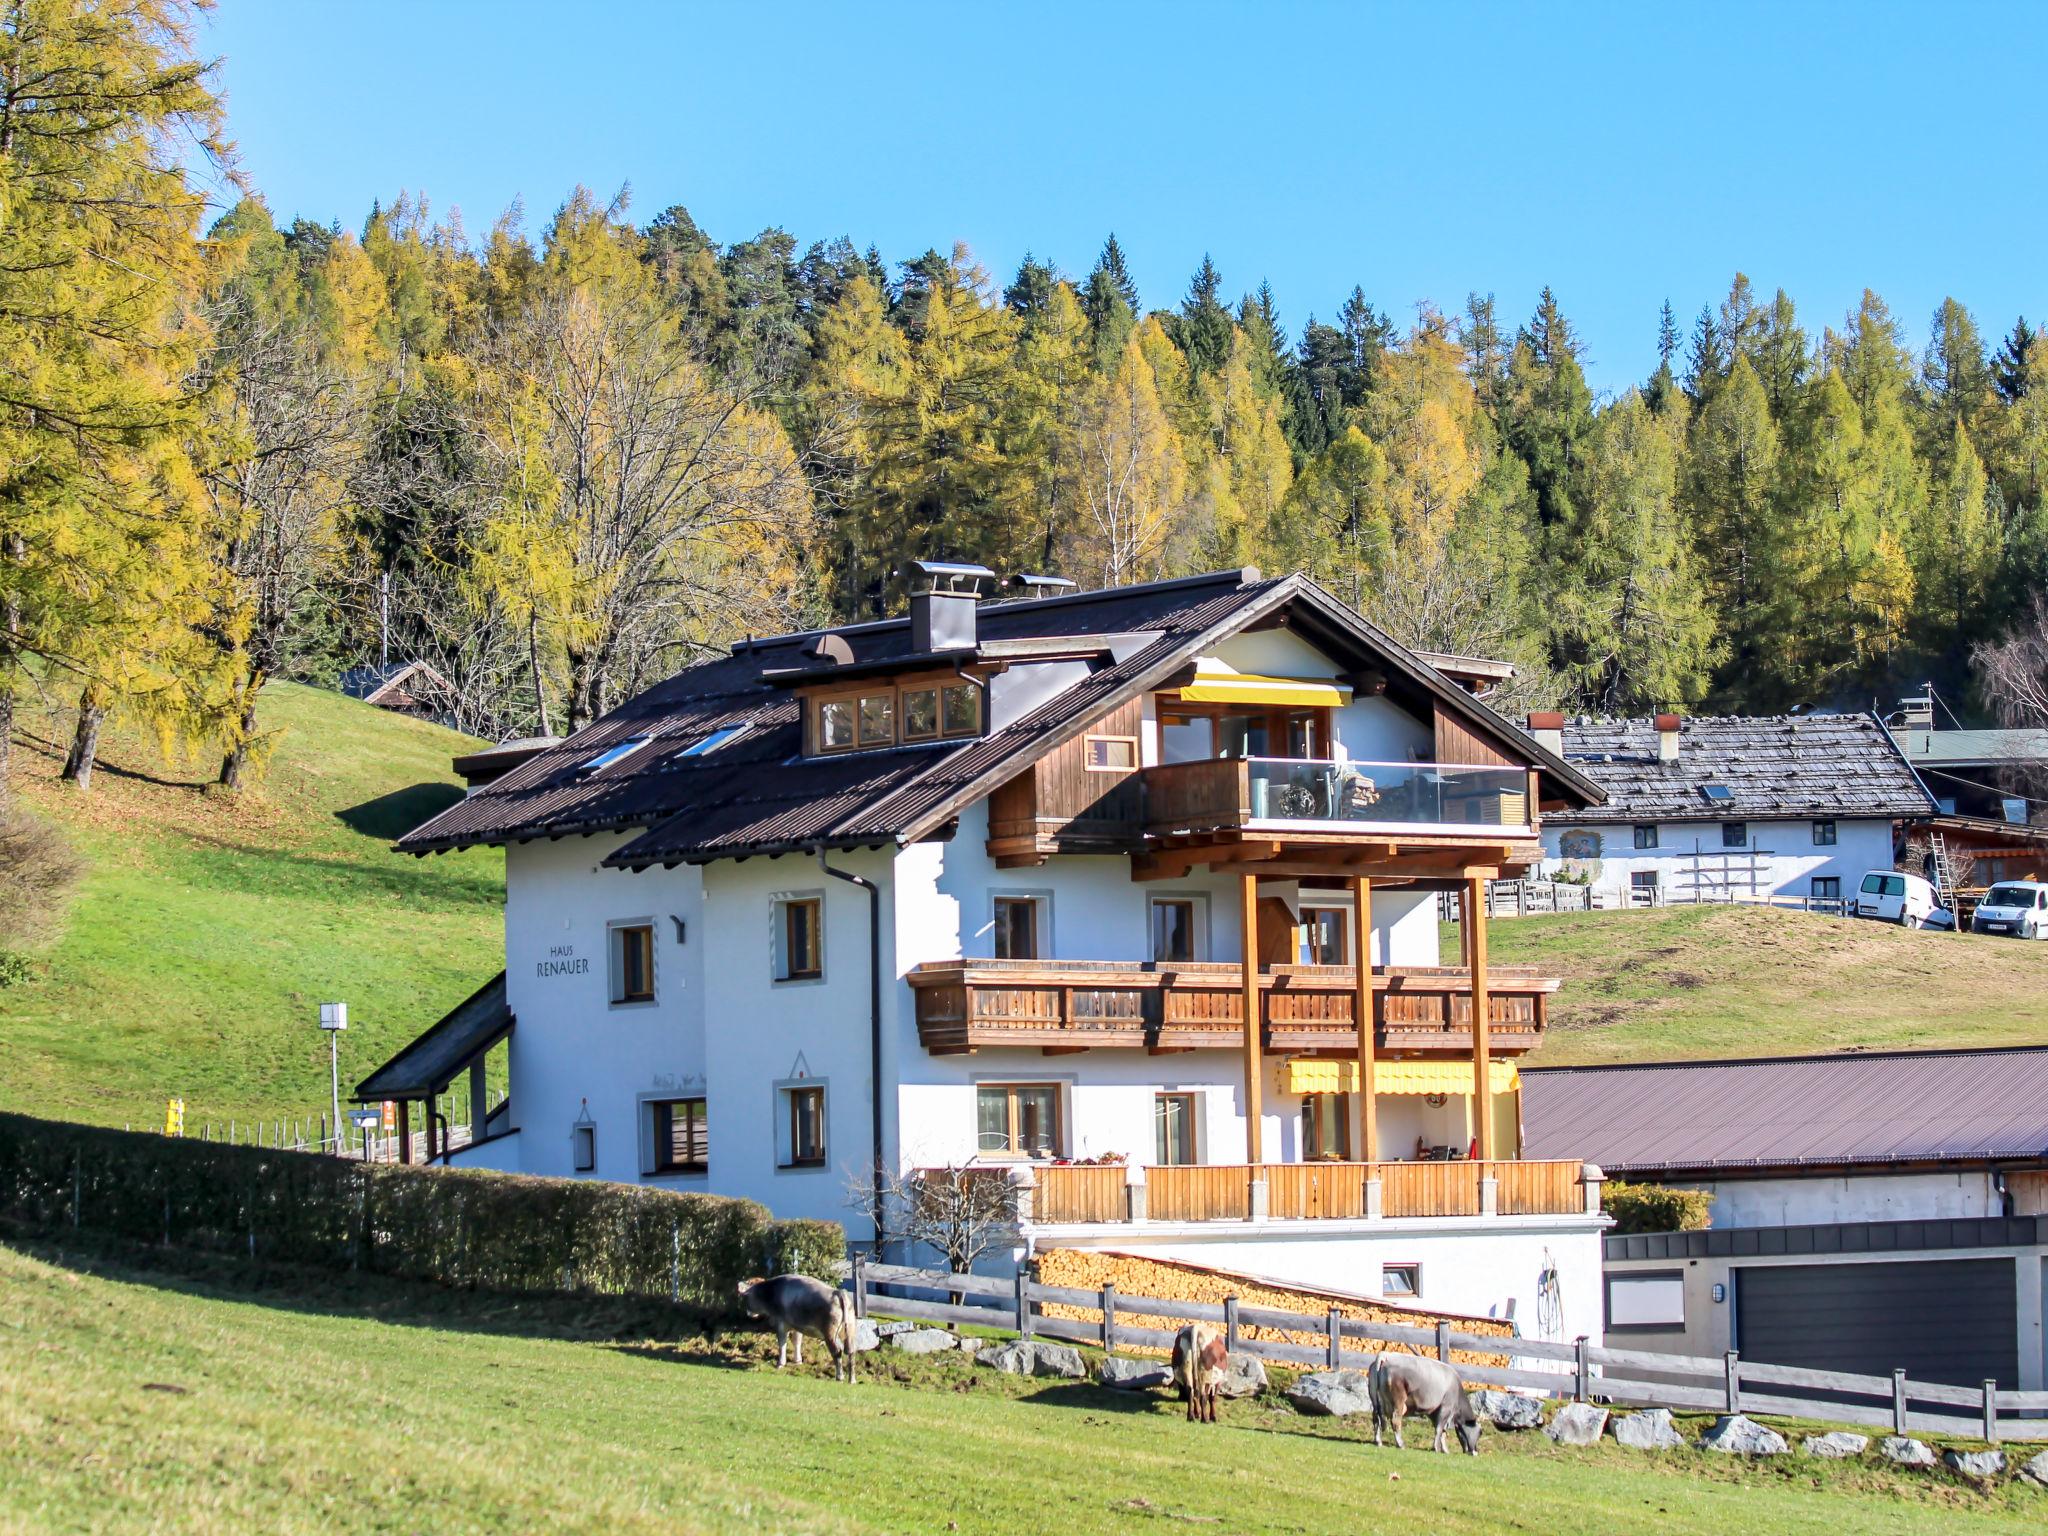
758,794
1789,766
430,1063
1789,1112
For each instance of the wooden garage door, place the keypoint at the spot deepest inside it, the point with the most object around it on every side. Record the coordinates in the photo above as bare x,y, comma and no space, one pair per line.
1949,1320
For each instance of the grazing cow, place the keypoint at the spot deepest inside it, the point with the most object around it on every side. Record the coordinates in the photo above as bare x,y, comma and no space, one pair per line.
796,1305
1200,1362
1403,1383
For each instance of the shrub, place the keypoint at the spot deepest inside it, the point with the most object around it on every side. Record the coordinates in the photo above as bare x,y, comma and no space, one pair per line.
459,1227
37,872
1655,1208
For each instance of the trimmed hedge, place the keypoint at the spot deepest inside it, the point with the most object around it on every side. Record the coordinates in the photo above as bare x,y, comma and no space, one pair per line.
458,1227
1655,1208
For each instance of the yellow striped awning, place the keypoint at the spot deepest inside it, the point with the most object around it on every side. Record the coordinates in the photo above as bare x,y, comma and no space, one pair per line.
1248,688
1304,1075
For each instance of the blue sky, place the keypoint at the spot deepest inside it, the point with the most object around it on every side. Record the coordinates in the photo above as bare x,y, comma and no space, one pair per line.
1621,154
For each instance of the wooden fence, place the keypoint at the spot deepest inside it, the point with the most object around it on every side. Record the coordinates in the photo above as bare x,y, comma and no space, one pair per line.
1308,1191
1541,898
1723,1384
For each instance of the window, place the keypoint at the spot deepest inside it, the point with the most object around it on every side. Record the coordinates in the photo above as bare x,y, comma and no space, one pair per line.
1875,884
1110,754
632,962
583,1143
801,931
1173,1119
806,1109
835,725
616,753
1017,1119
1734,834
1642,887
1827,887
1325,936
681,1136
920,714
1400,1279
1652,1299
1177,928
1016,927
1717,794
1325,1127
714,741
1823,834
1185,738
878,719
1646,836
962,709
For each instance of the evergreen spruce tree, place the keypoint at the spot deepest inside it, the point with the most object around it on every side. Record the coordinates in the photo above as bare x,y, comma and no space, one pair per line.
1549,409
1030,292
1662,389
1202,329
1109,300
1706,361
1486,353
2012,369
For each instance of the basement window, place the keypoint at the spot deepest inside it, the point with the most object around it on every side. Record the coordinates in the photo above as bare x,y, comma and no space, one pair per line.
1400,1279
616,753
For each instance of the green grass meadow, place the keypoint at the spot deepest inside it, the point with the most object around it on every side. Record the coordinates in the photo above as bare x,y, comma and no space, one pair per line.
209,927
174,1393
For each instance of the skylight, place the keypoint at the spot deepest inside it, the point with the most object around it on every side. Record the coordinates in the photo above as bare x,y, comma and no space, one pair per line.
616,752
1717,794
714,741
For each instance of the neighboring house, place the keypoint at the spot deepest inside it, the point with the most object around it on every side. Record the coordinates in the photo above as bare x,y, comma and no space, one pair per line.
1871,1211
1717,808
1982,774
1001,884
490,764
405,687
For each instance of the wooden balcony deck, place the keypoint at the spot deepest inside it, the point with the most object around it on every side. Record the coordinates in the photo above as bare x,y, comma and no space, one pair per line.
964,1005
1307,1191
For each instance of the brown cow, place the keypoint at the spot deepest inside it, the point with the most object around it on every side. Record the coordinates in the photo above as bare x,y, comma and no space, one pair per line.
1200,1362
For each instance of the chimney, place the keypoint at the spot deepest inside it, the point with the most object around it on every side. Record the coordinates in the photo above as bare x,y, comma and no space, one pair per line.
942,603
1547,726
1035,585
1667,738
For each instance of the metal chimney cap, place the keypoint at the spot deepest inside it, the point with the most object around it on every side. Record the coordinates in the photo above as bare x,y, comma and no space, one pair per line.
943,576
1035,585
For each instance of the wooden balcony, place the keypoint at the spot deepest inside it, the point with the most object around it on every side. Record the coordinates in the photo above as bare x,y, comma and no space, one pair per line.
1069,1005
1302,795
1307,1191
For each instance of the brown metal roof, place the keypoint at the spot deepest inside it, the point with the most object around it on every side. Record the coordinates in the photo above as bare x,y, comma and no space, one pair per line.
1789,1112
431,1062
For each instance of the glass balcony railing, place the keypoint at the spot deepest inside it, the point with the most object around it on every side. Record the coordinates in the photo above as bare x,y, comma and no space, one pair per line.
1404,794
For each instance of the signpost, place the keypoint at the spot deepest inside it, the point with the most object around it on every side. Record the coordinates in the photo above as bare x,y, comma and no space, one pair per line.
334,1019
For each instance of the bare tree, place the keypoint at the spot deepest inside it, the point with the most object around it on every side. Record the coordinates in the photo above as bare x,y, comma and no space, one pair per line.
2013,676
962,1212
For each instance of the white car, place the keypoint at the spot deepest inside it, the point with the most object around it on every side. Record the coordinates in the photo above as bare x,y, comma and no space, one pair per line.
2018,907
1890,896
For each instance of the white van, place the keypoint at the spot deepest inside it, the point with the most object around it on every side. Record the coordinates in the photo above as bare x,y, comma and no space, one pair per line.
1892,896
2017,907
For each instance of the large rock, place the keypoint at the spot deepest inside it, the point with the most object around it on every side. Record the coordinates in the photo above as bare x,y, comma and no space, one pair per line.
1737,1434
923,1341
2035,1469
1905,1451
1508,1410
866,1336
1981,1466
1649,1430
1133,1375
1332,1393
894,1326
1035,1357
1835,1445
1246,1377
1577,1424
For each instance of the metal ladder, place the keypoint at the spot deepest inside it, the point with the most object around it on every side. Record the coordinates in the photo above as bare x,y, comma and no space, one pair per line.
1944,869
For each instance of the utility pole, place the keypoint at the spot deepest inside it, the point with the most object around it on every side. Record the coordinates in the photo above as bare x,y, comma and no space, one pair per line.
334,1019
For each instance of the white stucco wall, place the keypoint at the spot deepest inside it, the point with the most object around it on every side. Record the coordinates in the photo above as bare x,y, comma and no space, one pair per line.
1798,1202
1372,730
1793,863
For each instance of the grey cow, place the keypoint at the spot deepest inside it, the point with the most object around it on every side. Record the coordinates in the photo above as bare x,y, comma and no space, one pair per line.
797,1305
1401,1384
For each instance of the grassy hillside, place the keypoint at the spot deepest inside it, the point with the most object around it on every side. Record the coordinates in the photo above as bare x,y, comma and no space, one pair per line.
1754,981
209,927
197,1400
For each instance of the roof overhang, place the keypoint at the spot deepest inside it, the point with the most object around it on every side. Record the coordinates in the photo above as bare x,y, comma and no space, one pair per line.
431,1062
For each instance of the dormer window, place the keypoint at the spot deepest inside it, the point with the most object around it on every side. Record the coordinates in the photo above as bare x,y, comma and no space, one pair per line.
889,714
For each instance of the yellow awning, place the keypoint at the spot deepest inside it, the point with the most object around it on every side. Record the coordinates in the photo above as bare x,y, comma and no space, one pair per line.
1247,688
1446,1077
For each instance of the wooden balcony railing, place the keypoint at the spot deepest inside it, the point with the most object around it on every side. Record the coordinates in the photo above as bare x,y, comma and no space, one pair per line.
963,1005
1308,1191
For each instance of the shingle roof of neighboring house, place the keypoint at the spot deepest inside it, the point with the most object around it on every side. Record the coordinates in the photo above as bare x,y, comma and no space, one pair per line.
370,683
1794,766
758,794
1789,1112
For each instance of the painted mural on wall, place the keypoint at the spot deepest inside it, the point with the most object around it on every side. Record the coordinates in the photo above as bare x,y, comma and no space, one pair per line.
1581,843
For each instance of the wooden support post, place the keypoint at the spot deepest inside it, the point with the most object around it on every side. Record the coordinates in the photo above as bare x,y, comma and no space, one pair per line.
1990,1410
1582,1369
860,1285
1335,1325
1898,1402
1109,1317
1443,1341
405,1130
1361,1009
1230,1323
1254,1070
1473,924
1023,1304
1731,1374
